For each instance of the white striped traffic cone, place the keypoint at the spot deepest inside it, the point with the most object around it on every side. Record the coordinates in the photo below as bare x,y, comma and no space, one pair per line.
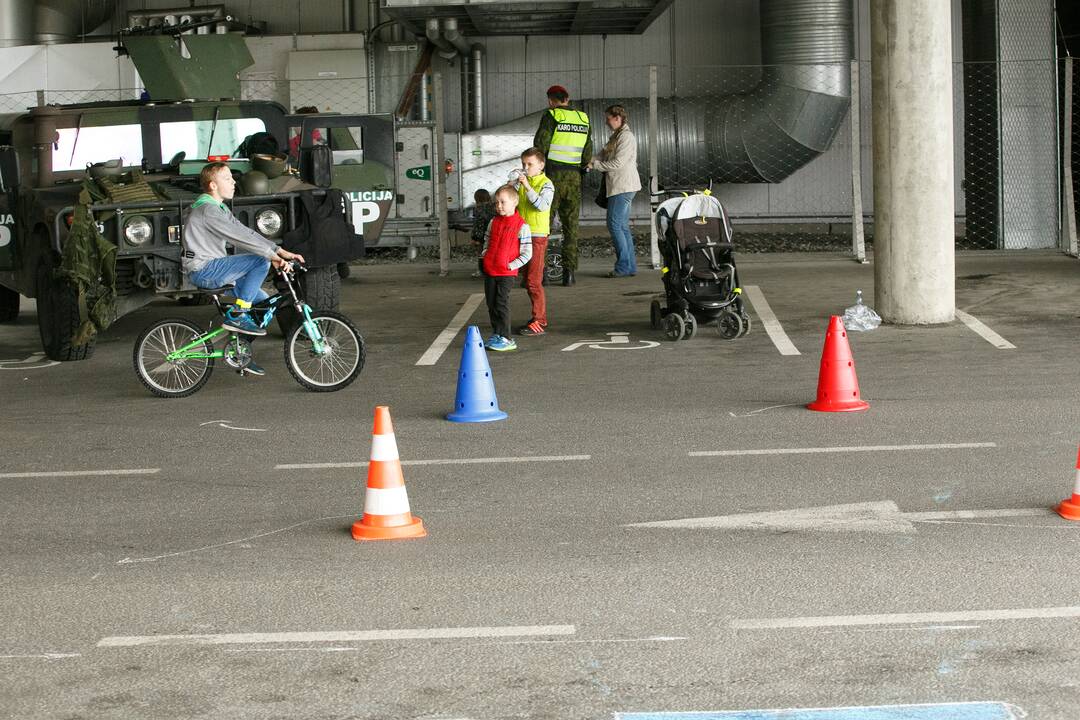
386,504
1070,506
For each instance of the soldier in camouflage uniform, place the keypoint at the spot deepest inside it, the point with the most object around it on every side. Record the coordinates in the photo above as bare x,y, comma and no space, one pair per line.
563,137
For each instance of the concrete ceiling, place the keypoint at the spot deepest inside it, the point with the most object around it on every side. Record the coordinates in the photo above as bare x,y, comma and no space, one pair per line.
531,17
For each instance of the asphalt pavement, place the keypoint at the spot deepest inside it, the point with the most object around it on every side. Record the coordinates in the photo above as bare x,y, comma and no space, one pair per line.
192,558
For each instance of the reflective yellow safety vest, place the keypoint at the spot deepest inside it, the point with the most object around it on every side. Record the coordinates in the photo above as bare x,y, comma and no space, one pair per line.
571,134
539,221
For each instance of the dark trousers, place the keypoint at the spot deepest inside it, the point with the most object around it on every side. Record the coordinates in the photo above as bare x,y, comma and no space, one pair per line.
497,293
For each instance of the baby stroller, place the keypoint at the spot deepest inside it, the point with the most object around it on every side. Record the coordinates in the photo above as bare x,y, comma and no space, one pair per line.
701,283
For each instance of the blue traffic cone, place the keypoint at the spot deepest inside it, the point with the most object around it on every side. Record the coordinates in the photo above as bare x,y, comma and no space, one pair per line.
475,401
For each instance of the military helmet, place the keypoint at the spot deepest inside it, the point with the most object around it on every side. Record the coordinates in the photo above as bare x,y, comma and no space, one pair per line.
255,183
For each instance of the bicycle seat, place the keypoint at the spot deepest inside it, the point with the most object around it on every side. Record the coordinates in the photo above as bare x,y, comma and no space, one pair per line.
215,291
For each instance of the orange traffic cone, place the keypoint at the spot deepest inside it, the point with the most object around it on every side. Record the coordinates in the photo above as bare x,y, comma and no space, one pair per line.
1070,506
386,504
838,388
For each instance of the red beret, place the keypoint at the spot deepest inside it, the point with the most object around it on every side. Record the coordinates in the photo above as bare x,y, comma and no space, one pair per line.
558,90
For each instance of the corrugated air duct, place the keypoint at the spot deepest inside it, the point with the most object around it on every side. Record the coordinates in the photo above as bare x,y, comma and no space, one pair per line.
793,115
785,120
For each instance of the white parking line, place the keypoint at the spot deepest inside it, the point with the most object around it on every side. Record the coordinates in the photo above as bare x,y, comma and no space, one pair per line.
448,461
905,618
447,336
857,448
769,322
338,636
986,333
80,473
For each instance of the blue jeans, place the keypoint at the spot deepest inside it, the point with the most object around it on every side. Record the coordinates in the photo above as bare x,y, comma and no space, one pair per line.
247,271
618,224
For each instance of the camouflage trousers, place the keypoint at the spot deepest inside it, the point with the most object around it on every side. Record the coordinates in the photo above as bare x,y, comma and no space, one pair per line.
567,203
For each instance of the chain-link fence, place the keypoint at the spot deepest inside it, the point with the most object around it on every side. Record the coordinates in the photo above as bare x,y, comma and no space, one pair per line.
775,143
13,103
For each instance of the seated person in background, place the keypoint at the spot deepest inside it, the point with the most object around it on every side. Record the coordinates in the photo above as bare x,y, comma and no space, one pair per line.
294,136
209,226
483,211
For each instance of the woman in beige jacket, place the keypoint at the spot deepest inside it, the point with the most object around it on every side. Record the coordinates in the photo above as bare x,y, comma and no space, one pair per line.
618,160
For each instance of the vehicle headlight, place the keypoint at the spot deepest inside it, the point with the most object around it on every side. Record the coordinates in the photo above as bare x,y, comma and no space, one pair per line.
138,230
269,222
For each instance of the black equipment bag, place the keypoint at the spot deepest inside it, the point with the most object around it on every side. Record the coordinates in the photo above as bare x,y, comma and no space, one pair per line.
324,236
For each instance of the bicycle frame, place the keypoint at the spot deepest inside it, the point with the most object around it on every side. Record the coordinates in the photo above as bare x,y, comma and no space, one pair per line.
268,307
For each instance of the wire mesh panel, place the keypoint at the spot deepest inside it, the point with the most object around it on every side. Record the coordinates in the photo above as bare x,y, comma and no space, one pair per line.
774,142
979,170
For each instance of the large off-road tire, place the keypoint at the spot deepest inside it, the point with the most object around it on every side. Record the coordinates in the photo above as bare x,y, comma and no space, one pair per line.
58,316
9,305
322,288
322,291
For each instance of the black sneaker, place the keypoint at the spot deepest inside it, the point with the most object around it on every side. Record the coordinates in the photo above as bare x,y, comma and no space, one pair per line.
253,369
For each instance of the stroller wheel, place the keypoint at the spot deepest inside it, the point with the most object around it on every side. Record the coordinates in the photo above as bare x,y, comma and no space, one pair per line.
674,327
656,315
746,325
554,269
729,325
691,327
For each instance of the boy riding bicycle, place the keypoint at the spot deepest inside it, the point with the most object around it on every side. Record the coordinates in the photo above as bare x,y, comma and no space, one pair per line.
208,227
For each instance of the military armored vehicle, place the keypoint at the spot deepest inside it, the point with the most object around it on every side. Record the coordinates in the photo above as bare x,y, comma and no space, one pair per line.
92,196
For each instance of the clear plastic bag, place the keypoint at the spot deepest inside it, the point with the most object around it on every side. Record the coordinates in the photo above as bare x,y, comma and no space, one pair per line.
860,317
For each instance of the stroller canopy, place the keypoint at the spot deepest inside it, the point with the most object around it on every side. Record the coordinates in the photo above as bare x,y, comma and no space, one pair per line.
691,206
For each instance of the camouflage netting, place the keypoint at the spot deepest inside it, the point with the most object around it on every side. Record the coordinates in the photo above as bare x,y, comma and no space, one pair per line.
89,263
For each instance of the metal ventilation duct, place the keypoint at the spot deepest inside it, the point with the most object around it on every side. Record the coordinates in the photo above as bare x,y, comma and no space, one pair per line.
57,21
790,117
16,22
793,115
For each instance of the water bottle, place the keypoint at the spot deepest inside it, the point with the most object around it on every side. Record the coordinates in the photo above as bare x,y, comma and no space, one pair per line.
860,317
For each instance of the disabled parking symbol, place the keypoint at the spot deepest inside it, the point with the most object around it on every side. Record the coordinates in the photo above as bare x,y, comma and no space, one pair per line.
616,341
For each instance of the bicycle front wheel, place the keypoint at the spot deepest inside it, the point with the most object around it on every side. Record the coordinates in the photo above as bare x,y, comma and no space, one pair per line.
341,359
171,378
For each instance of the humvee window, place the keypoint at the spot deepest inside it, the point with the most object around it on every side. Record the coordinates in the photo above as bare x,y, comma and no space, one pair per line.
192,137
77,147
347,144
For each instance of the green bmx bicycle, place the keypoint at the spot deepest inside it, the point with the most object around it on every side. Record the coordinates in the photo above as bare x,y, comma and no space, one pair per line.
323,350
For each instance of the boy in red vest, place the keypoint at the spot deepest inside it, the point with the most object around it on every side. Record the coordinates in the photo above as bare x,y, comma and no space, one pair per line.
507,247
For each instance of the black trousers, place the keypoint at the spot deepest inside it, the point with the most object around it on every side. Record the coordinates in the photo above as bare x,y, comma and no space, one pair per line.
497,293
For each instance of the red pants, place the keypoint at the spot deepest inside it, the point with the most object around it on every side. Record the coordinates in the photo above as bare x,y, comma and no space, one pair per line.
534,279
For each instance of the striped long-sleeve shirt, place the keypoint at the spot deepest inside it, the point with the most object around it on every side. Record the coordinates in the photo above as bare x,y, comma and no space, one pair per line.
540,200
524,246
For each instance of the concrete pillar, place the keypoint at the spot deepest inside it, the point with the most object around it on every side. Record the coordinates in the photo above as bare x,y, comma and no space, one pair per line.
914,263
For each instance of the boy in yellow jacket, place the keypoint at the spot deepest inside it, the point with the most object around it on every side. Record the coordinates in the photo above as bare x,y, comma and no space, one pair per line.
535,193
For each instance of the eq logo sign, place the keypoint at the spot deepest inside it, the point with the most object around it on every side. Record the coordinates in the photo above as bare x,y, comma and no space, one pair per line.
419,173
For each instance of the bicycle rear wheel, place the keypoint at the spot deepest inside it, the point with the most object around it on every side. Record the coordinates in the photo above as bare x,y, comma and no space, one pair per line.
171,378
339,364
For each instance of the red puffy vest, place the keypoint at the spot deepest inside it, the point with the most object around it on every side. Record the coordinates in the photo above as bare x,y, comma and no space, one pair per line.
504,246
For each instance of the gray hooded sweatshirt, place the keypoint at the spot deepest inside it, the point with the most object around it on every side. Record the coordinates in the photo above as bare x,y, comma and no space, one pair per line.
209,226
